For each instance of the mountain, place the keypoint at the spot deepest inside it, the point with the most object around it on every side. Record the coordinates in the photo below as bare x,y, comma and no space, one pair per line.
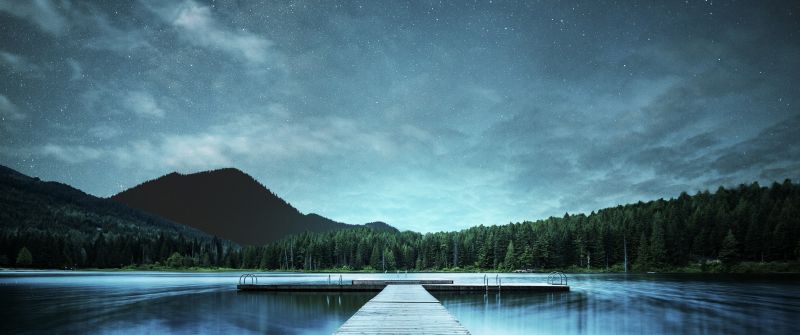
62,226
228,203
381,226
29,203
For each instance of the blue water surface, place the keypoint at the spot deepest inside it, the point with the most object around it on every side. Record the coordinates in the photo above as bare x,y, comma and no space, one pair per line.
208,303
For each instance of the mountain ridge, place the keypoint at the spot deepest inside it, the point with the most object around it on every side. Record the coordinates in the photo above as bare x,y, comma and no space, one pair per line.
229,203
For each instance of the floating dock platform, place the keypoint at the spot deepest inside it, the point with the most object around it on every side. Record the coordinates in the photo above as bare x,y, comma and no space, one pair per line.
404,306
431,285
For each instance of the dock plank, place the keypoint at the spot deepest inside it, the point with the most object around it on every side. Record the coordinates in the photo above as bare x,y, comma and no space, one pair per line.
402,309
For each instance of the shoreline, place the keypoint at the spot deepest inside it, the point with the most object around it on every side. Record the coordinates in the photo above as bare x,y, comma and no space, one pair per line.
711,268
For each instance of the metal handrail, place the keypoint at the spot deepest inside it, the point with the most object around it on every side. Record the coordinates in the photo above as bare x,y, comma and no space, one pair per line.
557,278
244,277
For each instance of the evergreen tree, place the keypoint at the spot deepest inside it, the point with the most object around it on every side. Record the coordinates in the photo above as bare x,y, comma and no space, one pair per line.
375,258
643,254
390,259
510,261
175,260
24,258
658,252
729,253
526,260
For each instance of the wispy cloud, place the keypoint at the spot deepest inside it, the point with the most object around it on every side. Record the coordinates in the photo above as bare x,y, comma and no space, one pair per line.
143,104
104,35
247,137
9,111
43,13
252,137
197,25
104,132
76,70
71,154
18,63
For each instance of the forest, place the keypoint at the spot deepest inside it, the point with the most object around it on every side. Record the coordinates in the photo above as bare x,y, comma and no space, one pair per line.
749,223
52,225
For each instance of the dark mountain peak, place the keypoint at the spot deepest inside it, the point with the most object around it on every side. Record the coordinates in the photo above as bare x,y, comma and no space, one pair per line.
228,172
226,202
40,205
11,173
232,174
381,226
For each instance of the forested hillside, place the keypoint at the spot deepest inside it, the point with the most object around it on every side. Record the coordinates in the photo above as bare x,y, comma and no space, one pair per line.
749,223
47,225
52,225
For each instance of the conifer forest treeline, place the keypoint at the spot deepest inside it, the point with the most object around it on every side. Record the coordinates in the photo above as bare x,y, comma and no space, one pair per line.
747,223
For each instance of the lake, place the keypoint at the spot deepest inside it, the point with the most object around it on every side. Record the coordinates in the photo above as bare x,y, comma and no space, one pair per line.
196,303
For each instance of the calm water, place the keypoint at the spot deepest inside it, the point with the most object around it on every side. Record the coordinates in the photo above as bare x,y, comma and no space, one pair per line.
143,302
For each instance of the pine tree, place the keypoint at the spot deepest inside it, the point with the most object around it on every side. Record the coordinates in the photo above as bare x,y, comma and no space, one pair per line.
391,262
729,253
643,254
526,260
375,258
658,251
510,262
24,257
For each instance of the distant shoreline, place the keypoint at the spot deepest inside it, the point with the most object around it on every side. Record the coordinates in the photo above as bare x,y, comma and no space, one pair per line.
709,268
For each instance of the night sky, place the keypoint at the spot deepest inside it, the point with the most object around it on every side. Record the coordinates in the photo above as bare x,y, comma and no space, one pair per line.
427,115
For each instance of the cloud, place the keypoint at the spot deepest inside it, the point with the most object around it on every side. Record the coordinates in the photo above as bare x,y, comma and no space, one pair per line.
71,154
774,149
197,25
105,36
76,70
43,13
252,137
142,104
105,132
18,63
9,111
248,137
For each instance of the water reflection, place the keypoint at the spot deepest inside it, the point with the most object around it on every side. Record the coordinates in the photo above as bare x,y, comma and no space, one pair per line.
619,304
158,303
96,302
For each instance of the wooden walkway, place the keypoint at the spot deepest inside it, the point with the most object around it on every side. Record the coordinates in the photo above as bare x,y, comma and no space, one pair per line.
402,309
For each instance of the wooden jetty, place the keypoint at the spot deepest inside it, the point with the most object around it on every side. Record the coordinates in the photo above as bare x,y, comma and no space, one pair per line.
376,285
404,306
475,288
402,309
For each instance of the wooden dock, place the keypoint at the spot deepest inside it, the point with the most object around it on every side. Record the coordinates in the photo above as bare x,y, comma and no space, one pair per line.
377,287
403,306
402,309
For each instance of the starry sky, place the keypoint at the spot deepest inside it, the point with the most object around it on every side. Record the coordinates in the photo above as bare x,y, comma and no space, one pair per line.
427,115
